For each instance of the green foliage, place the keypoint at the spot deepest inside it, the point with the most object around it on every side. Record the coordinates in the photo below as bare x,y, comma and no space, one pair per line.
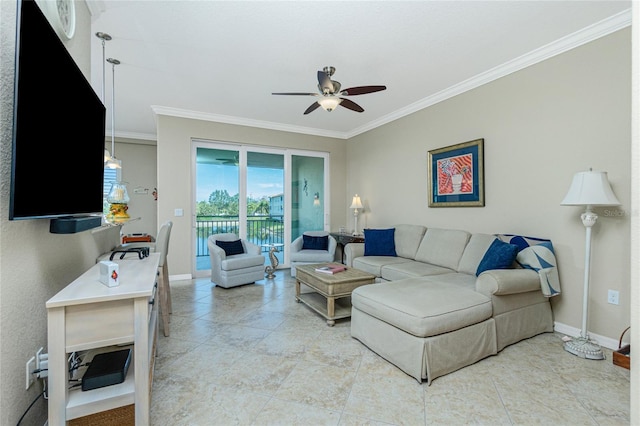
222,204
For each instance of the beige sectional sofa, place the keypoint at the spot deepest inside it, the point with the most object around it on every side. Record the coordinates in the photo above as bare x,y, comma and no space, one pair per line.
429,314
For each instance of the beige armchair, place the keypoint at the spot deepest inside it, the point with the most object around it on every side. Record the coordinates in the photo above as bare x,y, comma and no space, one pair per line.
241,264
301,256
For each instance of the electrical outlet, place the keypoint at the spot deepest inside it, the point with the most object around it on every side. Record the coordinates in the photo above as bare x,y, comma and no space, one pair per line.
38,358
613,297
30,368
42,364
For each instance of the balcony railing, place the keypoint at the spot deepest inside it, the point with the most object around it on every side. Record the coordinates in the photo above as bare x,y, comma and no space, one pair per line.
260,230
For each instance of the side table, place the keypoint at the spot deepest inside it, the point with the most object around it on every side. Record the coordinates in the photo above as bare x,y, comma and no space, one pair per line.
344,239
273,249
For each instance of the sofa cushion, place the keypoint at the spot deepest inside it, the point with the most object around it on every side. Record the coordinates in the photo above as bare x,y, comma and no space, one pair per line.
411,269
310,242
374,264
421,307
456,279
443,247
231,247
499,255
407,239
474,252
379,242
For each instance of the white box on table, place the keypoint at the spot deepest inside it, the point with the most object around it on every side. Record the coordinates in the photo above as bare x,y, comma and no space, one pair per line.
109,273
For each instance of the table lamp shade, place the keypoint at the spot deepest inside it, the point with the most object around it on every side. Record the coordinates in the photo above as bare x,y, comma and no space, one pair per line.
590,188
356,203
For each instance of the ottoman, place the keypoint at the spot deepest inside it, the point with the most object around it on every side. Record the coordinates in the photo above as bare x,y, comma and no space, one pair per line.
426,328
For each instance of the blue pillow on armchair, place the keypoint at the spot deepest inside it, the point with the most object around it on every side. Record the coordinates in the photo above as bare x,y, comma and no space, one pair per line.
231,247
379,242
309,242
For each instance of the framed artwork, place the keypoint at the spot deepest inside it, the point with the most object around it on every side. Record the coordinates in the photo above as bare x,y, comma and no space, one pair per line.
456,175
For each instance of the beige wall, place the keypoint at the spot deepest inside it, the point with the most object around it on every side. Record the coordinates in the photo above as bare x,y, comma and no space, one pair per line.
175,172
139,171
34,264
540,126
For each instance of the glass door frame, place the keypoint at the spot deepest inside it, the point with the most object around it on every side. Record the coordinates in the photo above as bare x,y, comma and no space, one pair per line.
242,150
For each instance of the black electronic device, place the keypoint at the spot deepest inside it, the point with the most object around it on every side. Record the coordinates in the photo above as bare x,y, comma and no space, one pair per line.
106,369
71,225
58,141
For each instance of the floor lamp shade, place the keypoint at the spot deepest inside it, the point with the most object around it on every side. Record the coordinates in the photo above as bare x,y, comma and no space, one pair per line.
588,189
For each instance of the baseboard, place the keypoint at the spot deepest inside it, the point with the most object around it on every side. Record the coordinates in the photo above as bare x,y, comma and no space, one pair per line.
180,277
603,341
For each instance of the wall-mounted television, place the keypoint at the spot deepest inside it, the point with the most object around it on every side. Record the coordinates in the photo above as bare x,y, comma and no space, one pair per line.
57,166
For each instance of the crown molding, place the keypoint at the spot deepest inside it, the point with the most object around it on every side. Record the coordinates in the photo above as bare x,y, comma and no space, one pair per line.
227,119
588,34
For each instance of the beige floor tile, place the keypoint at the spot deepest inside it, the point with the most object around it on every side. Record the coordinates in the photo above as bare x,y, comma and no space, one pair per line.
252,355
287,413
258,373
317,385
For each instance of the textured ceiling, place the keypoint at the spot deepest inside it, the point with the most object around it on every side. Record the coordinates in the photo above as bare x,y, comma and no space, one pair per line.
221,60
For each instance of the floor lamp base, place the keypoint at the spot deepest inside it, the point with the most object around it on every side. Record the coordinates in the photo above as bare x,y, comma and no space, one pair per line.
584,348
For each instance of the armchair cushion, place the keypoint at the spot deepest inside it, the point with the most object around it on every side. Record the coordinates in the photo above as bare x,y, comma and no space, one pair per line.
231,247
310,242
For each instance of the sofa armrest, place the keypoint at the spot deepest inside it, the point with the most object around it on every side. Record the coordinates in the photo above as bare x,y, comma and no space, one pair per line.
501,282
351,251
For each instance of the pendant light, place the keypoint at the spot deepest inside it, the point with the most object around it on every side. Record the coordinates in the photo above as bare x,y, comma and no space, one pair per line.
104,37
113,162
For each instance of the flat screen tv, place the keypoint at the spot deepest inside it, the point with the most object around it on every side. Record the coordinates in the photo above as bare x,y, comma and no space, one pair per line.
57,166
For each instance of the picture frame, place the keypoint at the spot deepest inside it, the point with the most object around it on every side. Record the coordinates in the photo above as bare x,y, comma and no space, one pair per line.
456,175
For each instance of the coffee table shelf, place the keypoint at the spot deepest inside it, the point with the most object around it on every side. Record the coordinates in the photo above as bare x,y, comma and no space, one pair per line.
317,302
331,293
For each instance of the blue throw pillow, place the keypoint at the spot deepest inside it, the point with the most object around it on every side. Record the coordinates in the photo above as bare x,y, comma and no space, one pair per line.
231,247
499,255
310,242
379,242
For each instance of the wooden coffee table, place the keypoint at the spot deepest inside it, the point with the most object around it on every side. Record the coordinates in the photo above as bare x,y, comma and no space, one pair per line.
331,294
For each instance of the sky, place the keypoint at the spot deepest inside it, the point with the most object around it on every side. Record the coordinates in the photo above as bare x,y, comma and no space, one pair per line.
261,182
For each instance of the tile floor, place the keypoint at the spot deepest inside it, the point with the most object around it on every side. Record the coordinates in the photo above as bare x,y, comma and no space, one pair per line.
251,355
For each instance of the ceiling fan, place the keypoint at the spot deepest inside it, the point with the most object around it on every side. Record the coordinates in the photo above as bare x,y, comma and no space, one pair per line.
330,93
229,161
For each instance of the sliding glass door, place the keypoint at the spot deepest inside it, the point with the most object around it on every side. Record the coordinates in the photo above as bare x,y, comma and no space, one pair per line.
268,196
308,194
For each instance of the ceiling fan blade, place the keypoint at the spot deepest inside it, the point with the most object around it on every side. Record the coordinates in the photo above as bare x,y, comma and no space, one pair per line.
297,94
324,82
349,104
362,90
312,108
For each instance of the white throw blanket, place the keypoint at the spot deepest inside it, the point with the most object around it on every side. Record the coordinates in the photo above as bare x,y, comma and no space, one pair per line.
537,254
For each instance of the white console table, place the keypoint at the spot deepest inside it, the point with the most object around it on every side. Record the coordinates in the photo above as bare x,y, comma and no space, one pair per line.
88,315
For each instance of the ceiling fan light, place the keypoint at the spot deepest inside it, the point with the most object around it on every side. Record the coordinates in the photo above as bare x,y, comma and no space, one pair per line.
329,103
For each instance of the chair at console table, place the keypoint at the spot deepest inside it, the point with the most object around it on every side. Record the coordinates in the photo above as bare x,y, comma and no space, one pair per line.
344,239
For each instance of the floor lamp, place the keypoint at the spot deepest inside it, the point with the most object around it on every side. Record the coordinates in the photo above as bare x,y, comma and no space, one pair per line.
588,189
355,205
